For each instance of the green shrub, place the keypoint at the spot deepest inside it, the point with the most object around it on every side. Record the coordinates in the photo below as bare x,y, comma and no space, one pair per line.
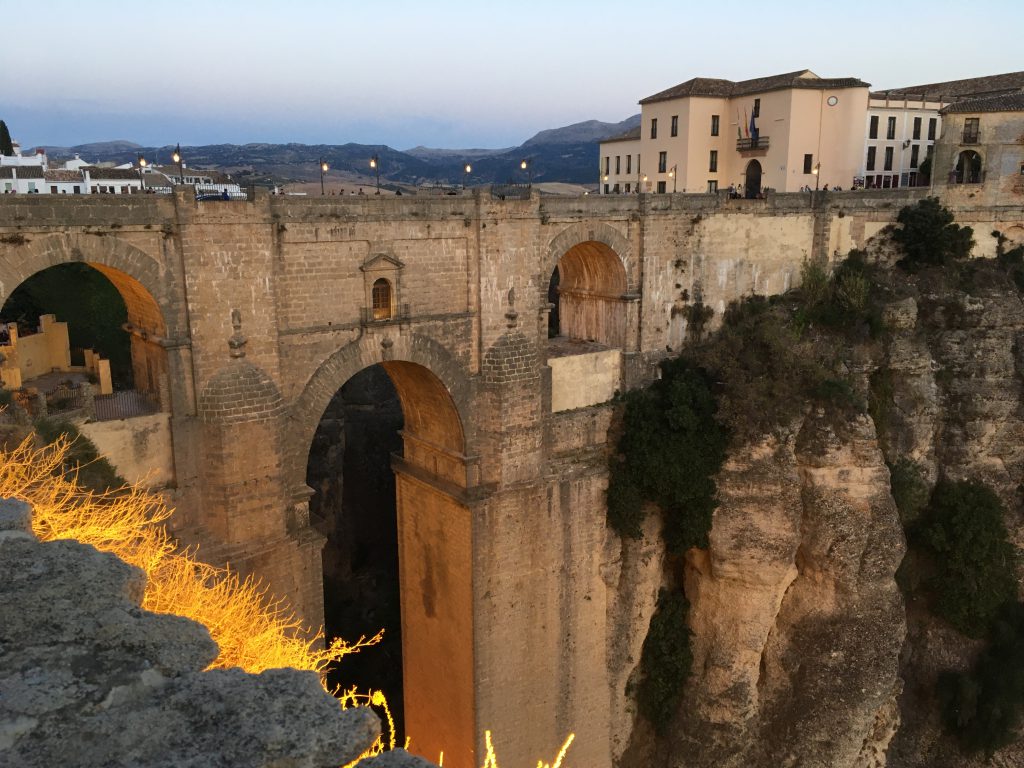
929,236
666,660
909,490
669,452
982,708
972,560
94,472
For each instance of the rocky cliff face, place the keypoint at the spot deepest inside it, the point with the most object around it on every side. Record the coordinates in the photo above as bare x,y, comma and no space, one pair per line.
797,619
805,651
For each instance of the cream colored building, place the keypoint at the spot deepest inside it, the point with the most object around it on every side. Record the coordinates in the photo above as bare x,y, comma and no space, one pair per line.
783,132
620,164
903,125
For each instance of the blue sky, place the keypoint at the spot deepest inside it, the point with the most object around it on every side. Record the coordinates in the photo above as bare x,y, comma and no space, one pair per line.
443,73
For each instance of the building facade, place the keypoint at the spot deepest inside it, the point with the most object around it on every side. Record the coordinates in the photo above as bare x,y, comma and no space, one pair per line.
785,132
903,125
981,149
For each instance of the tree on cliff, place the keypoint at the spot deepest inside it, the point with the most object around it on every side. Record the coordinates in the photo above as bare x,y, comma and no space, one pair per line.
929,236
6,145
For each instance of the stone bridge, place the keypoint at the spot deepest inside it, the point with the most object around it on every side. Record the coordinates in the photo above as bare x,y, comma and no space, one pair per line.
246,317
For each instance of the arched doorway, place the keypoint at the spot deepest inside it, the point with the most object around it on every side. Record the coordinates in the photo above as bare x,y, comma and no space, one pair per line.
388,471
968,168
104,317
752,182
588,288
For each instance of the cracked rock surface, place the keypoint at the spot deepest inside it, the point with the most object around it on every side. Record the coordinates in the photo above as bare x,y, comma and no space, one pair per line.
89,678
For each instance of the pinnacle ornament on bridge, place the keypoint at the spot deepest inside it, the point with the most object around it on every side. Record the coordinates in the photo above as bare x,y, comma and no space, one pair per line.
237,341
512,317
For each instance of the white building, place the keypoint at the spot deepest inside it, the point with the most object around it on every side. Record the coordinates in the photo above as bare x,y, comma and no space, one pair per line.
902,125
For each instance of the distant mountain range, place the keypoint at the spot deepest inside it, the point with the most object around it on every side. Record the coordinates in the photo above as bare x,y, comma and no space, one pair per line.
568,154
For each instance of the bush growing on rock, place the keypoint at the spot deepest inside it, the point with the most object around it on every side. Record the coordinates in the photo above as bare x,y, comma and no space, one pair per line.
665,661
670,450
982,708
928,235
972,559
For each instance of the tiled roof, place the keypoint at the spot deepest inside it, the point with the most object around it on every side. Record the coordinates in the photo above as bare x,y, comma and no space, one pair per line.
705,86
953,90
62,175
631,135
24,171
1007,102
103,174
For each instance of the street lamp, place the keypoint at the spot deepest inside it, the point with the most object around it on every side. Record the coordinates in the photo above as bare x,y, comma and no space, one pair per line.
529,170
672,175
176,157
465,174
142,165
817,175
645,183
375,164
323,169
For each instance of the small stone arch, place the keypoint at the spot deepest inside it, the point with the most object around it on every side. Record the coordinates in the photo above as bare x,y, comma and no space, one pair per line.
592,232
591,289
408,359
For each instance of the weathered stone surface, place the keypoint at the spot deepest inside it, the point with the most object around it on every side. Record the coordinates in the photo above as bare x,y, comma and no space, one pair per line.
796,616
87,676
396,758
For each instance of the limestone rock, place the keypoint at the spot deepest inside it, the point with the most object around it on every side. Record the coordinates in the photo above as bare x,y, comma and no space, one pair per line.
797,620
86,675
395,758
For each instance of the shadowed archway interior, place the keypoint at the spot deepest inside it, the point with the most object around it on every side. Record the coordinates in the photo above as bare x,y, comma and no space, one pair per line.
588,288
385,460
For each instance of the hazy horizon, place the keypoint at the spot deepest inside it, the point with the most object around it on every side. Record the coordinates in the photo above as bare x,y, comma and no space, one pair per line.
450,75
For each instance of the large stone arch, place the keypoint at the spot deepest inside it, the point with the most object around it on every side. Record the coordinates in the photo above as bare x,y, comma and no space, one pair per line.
154,312
137,276
434,524
333,372
596,288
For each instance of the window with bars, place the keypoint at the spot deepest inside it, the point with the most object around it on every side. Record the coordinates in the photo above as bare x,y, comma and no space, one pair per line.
381,299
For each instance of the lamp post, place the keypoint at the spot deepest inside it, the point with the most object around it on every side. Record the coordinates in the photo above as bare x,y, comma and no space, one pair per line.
142,166
645,184
817,175
605,180
375,164
176,157
323,169
465,174
525,165
672,175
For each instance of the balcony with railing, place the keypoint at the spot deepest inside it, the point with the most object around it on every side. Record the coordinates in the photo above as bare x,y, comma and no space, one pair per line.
971,136
752,144
378,316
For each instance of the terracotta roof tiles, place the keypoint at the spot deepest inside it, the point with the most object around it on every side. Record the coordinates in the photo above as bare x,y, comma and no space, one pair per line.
715,88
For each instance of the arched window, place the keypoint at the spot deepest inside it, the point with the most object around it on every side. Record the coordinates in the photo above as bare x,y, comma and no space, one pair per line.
381,299
968,168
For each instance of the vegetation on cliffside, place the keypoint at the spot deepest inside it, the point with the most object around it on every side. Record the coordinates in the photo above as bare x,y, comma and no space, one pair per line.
825,345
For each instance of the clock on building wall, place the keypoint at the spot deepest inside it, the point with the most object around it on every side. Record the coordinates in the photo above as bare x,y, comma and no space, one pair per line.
832,101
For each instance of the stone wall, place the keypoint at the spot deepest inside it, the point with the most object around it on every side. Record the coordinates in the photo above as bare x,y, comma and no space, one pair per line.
470,277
